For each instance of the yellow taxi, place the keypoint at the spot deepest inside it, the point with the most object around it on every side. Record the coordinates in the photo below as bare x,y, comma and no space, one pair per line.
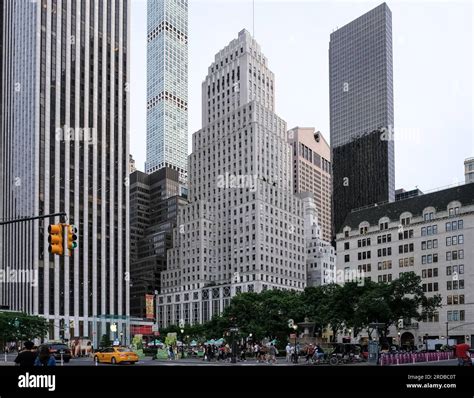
115,355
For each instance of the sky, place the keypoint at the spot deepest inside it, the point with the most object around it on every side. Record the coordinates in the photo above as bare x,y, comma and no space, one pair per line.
432,62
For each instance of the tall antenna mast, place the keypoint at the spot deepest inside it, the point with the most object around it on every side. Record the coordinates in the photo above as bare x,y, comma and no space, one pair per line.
253,17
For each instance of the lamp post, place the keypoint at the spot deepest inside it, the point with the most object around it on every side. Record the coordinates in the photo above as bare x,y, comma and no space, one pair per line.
447,334
426,341
295,327
182,343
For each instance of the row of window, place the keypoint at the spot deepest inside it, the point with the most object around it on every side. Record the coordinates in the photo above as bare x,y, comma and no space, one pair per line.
455,285
425,231
455,300
454,240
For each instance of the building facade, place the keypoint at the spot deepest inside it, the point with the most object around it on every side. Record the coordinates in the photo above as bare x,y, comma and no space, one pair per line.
154,202
469,170
243,229
361,113
320,254
312,172
167,86
64,147
431,235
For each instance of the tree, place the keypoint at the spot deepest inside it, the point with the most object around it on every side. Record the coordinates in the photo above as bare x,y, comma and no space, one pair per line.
105,341
386,303
18,326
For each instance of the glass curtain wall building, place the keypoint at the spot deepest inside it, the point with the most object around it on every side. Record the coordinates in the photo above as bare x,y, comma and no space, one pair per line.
361,103
167,86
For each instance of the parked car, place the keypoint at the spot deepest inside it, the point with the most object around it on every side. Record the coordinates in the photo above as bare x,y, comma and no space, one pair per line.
59,350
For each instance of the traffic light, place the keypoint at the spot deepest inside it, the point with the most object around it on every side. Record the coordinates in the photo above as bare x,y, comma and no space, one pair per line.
71,238
55,239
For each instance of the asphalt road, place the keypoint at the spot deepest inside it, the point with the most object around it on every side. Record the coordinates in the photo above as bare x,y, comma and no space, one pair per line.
147,361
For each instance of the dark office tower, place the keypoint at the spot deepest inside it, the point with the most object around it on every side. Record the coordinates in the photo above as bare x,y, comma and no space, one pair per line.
154,202
64,147
361,111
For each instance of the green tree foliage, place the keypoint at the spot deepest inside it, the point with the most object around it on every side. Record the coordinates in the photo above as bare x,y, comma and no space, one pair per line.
18,326
105,341
335,307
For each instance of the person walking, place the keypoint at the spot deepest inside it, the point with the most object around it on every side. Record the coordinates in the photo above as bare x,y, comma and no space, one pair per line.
44,357
272,353
462,354
288,352
26,358
309,353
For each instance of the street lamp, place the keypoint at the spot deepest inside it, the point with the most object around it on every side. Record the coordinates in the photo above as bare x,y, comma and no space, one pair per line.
182,343
295,327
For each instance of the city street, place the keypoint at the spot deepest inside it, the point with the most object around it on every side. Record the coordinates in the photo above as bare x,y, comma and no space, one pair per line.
147,361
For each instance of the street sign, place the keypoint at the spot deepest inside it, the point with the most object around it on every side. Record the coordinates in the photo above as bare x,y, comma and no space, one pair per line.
154,327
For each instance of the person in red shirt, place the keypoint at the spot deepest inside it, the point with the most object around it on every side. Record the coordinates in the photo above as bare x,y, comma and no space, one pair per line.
462,353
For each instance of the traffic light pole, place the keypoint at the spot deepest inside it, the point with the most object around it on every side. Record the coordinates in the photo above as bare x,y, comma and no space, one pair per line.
25,219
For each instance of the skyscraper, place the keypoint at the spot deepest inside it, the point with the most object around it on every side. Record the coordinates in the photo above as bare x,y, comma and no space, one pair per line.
167,86
243,230
64,147
361,113
154,202
312,172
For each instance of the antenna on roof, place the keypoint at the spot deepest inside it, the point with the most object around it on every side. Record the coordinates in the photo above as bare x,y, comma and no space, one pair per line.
253,18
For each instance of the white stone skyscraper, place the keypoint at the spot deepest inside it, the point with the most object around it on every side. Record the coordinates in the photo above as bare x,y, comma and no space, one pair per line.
167,86
243,230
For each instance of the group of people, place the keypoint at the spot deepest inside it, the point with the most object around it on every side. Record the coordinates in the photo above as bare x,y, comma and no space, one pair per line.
313,353
33,356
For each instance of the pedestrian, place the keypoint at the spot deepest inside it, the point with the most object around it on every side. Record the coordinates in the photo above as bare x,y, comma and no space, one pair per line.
243,350
255,351
318,353
272,353
288,352
462,354
309,353
44,357
26,358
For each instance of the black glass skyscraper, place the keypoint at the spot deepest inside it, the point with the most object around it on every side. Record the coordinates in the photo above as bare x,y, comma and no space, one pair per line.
361,111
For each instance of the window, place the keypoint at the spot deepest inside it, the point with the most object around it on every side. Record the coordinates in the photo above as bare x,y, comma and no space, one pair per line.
346,245
449,285
448,241
347,258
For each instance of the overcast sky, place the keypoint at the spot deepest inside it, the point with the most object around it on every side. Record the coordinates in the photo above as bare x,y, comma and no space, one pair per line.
432,62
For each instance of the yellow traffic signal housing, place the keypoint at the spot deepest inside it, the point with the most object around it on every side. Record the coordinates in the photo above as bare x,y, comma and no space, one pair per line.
55,239
71,238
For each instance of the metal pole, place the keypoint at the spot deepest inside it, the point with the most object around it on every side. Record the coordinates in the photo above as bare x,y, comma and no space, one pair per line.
447,334
24,219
